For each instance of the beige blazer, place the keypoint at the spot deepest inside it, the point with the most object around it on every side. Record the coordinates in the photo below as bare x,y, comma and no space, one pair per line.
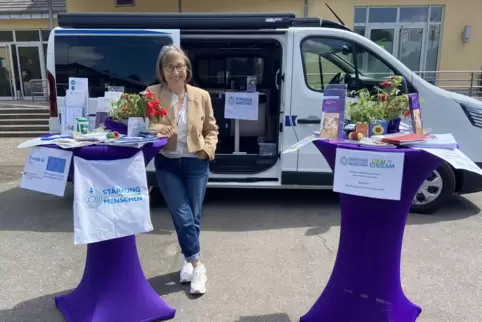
201,125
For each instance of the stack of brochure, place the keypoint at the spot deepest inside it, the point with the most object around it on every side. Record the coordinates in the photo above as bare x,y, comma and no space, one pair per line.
435,141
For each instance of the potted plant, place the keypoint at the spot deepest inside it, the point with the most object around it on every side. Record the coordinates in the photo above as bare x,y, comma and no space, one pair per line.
365,111
395,104
381,112
136,111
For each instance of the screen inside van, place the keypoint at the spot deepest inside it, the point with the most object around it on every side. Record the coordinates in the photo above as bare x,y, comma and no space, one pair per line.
120,60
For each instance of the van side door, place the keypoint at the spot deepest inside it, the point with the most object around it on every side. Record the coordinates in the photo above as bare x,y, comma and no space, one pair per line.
325,56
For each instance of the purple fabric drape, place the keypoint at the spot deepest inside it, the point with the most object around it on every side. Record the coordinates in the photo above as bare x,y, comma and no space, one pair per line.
365,282
113,287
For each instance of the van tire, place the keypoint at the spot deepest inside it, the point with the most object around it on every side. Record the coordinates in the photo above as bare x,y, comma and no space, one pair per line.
447,175
155,197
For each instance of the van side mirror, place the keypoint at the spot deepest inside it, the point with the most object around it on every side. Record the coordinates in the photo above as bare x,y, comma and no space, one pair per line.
345,50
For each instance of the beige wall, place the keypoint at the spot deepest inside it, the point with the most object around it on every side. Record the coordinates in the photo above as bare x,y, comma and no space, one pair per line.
189,6
455,55
18,24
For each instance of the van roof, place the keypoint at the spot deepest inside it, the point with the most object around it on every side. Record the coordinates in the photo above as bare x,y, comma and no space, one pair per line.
191,21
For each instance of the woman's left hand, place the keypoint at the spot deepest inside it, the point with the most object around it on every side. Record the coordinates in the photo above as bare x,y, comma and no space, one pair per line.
202,155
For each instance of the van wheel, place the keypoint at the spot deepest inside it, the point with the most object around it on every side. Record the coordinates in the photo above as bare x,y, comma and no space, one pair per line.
435,192
155,196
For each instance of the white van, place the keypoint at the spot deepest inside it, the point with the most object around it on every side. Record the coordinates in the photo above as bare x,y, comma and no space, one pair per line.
293,59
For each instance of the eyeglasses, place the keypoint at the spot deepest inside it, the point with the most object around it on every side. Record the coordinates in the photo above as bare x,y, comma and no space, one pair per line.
170,68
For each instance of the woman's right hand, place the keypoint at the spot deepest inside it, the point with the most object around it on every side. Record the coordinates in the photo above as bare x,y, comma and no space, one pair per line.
164,130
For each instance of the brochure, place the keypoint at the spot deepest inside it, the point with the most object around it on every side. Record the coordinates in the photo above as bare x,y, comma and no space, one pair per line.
415,113
333,111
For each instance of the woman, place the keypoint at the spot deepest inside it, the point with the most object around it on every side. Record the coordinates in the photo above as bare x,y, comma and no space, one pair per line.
182,166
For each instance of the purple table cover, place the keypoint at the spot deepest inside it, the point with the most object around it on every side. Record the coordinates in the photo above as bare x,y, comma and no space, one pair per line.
365,285
114,287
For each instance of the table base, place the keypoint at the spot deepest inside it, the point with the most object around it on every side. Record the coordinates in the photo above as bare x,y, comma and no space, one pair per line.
350,306
113,288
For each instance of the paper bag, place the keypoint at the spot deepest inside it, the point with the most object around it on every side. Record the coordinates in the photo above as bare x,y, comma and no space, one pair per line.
109,203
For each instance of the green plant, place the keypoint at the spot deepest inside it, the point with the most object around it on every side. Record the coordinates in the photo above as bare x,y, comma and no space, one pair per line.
386,103
365,109
145,104
394,104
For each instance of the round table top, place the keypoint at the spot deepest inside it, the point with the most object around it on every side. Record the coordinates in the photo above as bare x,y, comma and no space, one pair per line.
108,152
354,146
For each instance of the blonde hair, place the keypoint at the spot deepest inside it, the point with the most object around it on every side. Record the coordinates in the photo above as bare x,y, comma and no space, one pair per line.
168,54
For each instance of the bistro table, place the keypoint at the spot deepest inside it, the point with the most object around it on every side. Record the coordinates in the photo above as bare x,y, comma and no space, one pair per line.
365,284
114,287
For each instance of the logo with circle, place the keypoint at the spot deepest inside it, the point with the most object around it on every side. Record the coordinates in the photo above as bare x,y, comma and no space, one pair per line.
92,198
232,100
344,160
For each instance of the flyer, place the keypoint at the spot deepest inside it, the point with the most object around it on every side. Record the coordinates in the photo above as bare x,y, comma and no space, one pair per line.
333,109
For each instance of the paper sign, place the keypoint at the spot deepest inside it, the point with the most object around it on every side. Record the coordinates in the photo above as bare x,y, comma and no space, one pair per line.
75,98
456,158
79,84
241,106
47,170
135,125
113,95
298,145
369,174
333,108
104,104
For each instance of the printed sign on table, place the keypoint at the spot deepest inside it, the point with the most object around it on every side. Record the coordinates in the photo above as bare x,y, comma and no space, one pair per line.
369,174
108,205
47,170
241,106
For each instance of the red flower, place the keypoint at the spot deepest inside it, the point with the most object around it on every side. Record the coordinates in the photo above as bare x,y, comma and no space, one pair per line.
162,112
383,98
387,84
407,113
150,95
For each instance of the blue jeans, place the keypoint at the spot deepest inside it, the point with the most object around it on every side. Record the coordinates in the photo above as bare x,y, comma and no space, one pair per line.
183,184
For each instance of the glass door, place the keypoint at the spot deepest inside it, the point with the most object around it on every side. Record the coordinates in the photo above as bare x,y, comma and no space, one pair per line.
411,47
30,66
385,36
6,76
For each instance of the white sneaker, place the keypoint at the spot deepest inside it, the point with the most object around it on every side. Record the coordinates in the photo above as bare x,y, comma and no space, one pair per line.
199,279
186,272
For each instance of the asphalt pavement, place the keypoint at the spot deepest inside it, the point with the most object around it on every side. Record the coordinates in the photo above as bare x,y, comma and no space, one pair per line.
268,254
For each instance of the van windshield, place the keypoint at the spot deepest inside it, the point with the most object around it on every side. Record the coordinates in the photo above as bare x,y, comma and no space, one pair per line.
122,61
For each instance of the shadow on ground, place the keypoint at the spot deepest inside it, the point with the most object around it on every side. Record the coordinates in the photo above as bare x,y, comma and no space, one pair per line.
43,308
225,210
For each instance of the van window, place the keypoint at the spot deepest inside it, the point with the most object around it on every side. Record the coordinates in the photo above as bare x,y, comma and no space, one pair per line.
221,71
127,61
325,60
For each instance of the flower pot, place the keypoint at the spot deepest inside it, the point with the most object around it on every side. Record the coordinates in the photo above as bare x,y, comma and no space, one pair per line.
135,126
394,126
116,125
378,127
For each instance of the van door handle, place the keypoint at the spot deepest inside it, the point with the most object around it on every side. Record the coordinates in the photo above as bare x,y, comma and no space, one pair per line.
309,120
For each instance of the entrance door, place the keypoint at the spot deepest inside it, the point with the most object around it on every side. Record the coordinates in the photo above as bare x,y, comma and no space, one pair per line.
411,47
30,66
6,75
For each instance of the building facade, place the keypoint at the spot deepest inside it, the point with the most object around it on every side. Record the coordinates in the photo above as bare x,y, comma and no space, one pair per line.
428,35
